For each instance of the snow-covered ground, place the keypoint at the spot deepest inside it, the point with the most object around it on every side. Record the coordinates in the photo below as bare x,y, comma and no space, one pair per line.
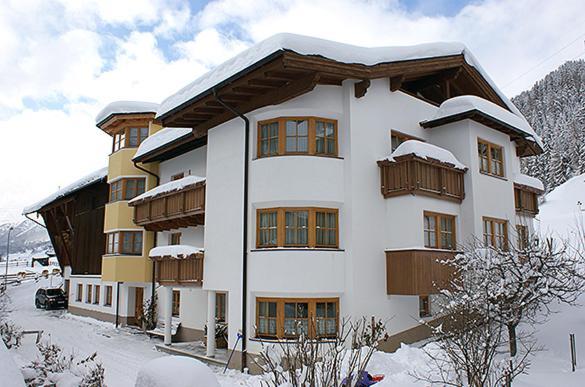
124,351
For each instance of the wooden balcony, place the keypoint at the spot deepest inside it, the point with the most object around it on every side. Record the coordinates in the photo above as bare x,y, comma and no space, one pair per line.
413,175
526,199
179,271
172,210
417,272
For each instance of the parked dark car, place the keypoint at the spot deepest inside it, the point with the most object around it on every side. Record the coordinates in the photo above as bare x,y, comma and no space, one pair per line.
51,298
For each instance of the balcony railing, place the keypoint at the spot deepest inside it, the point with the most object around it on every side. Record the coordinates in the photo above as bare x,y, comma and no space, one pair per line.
179,271
181,208
418,272
413,175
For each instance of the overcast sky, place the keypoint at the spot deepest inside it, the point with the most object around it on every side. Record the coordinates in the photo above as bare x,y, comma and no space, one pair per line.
61,61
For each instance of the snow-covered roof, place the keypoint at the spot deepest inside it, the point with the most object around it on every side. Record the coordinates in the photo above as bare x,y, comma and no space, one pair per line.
340,52
528,181
426,151
71,188
175,251
160,139
171,186
125,107
468,103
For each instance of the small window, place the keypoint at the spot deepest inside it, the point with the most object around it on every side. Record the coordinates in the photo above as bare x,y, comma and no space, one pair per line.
116,191
297,136
439,231
267,228
88,294
129,138
126,189
325,138
96,297
266,321
79,295
495,233
397,138
326,228
268,139
296,228
177,176
119,141
326,319
424,306
296,318
175,239
176,302
108,300
124,242
491,158
522,236
220,306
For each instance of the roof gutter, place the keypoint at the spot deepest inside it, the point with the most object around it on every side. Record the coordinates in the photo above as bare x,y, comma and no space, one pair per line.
157,177
245,228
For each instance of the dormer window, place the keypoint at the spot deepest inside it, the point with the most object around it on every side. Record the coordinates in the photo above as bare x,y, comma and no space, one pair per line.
297,136
129,138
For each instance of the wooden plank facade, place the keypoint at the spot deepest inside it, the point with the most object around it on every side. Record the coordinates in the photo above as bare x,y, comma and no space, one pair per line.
526,200
179,271
413,175
417,272
181,208
75,224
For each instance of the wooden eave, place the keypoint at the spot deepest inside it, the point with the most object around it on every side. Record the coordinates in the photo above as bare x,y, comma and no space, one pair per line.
525,147
114,122
285,75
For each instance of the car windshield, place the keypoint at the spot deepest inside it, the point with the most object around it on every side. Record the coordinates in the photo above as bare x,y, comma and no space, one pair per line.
54,292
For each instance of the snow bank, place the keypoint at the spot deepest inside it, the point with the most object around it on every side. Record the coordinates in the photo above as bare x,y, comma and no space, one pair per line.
467,103
171,186
176,371
175,251
426,151
340,52
528,181
561,213
160,139
125,107
71,188
9,372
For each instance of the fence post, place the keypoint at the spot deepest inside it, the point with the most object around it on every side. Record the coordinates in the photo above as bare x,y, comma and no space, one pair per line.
573,351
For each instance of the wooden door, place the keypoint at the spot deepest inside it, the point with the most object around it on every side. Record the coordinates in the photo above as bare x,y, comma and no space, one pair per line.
138,302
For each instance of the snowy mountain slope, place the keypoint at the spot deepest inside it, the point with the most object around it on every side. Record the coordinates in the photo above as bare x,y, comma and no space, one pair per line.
26,236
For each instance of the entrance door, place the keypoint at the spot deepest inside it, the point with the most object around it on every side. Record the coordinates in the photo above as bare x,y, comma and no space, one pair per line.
138,300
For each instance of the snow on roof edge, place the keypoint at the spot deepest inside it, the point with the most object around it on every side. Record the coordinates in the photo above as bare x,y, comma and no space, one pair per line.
529,181
175,251
159,140
425,151
171,186
125,107
69,189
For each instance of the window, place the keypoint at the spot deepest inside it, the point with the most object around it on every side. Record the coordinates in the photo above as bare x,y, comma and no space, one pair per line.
175,239
79,296
96,297
220,306
129,138
108,300
126,188
491,158
424,306
525,201
177,176
522,236
124,242
66,286
439,231
88,294
495,233
297,227
297,135
287,318
397,138
176,302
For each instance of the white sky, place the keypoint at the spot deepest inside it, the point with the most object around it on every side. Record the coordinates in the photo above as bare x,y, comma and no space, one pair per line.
63,60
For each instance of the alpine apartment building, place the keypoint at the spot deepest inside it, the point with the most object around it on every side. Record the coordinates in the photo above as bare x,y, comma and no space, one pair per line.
303,182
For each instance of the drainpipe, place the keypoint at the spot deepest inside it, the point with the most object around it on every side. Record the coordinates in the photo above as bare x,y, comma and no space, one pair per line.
117,302
245,228
157,180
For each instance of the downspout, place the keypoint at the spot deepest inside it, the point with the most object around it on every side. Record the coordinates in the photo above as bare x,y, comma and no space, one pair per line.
117,302
245,228
157,180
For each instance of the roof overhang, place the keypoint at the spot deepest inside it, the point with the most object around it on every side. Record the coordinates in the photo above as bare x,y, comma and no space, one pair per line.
172,149
116,121
525,145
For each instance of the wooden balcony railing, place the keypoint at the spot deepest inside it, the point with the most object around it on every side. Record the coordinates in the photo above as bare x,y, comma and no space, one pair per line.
526,200
409,174
179,271
181,208
418,272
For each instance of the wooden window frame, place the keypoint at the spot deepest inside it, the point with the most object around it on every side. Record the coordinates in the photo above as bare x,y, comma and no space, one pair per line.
177,176
311,317
119,188
79,294
88,294
522,236
96,294
176,307
175,238
439,231
311,227
489,170
220,306
121,139
492,235
108,295
111,250
312,138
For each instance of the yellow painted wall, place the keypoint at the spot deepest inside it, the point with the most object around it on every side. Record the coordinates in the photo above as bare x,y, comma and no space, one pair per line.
119,215
120,164
130,268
